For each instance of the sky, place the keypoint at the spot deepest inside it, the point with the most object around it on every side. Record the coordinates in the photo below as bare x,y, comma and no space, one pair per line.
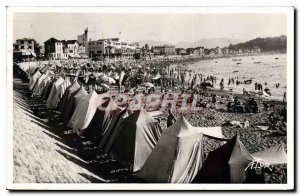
171,28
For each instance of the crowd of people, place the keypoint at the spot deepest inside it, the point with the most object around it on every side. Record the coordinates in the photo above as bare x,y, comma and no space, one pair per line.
161,76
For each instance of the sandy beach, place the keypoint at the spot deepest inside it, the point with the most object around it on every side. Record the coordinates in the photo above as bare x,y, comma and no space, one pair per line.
72,159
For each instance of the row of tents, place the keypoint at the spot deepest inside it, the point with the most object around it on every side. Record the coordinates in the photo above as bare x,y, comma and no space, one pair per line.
174,155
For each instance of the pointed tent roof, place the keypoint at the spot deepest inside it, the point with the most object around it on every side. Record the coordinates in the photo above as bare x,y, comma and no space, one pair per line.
105,115
60,91
84,112
177,156
72,103
43,85
38,83
34,79
183,128
239,160
81,93
71,89
135,139
52,101
273,155
226,164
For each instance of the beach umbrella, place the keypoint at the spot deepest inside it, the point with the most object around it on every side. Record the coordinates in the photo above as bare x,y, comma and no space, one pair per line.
148,84
111,80
104,85
209,82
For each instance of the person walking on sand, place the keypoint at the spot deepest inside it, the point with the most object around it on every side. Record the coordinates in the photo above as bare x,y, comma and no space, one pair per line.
171,119
222,84
214,99
284,98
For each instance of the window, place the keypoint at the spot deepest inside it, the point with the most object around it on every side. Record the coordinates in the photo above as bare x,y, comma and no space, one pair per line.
29,47
22,42
22,47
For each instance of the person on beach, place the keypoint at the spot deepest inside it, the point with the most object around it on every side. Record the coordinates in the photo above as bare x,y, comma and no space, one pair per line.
214,99
171,118
284,98
222,84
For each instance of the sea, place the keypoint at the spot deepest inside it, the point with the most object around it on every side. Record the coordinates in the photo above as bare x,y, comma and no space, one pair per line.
268,70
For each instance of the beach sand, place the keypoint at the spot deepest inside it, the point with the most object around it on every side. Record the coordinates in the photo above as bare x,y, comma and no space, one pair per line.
44,150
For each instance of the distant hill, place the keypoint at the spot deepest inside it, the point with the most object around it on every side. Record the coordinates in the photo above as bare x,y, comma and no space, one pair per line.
209,43
152,43
265,44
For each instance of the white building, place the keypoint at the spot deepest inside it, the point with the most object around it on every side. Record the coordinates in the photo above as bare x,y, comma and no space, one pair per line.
112,47
83,42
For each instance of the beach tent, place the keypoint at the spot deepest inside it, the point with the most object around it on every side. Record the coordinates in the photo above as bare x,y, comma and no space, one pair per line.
104,119
70,105
58,94
43,85
64,100
112,133
274,155
51,101
115,123
177,156
226,164
48,88
60,91
135,139
34,79
36,88
84,112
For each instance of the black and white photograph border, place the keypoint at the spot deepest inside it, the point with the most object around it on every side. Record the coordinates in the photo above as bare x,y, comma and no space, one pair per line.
17,98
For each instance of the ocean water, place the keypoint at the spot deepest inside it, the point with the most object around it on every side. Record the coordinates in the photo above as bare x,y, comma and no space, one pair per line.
272,69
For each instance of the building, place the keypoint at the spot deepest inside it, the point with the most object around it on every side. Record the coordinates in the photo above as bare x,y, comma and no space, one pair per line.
180,51
212,51
70,47
165,50
83,42
54,49
24,49
26,44
218,50
111,48
246,51
207,51
255,49
199,51
190,50
225,50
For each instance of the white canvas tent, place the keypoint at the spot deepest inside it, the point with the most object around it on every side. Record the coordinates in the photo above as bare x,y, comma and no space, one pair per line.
135,138
70,106
84,112
177,156
103,121
33,80
51,102
43,85
60,91
274,155
66,96
36,88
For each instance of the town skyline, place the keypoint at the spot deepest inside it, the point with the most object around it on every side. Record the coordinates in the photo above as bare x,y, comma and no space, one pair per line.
169,28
